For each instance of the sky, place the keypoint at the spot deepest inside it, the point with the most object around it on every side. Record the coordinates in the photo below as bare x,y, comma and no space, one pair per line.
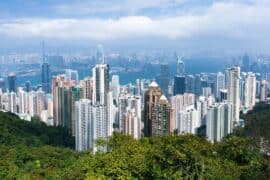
192,25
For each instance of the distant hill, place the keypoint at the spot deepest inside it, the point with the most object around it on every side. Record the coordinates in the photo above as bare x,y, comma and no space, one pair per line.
15,131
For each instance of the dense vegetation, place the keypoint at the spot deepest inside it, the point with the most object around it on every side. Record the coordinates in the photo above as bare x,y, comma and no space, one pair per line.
257,122
31,150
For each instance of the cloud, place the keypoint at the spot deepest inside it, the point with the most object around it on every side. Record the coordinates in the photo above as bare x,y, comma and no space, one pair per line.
221,20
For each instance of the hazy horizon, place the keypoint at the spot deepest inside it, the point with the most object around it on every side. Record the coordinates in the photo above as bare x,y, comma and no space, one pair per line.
223,26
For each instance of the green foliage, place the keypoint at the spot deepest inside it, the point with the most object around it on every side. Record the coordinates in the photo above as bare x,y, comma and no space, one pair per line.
32,150
257,122
14,131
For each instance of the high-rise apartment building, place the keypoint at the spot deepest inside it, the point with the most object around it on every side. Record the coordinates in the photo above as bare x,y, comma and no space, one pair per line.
161,118
100,83
219,119
233,88
250,91
178,103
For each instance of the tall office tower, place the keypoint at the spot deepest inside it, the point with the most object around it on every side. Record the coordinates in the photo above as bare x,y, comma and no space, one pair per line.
27,86
250,91
179,78
219,84
178,102
198,85
76,95
72,75
219,119
22,101
45,73
190,84
264,91
84,125
163,78
12,82
233,80
151,99
161,118
112,112
62,101
100,83
188,121
115,87
12,102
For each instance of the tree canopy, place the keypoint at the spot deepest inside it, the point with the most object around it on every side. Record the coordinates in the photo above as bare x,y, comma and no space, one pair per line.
32,150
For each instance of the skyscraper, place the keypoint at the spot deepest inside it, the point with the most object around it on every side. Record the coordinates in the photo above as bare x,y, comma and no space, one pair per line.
45,73
161,118
151,99
250,91
12,82
178,103
62,101
100,83
76,95
133,117
233,87
179,78
219,119
84,125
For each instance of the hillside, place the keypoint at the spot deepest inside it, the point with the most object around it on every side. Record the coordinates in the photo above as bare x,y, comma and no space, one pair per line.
27,154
